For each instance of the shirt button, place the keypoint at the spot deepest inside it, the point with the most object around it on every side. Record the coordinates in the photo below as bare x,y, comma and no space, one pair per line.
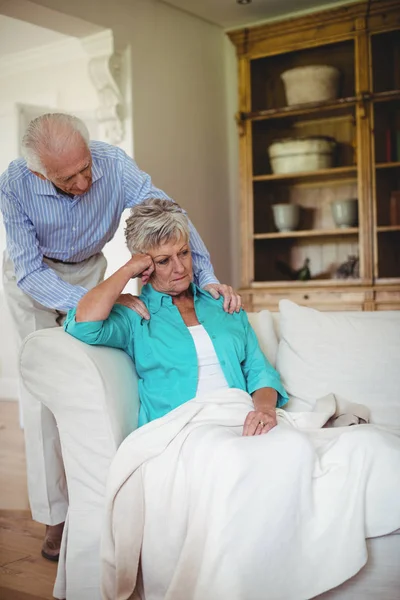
74,229
223,363
72,247
213,337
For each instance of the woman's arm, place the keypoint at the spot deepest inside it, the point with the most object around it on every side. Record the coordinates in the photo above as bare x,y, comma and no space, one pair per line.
258,372
96,305
99,318
263,418
265,399
264,385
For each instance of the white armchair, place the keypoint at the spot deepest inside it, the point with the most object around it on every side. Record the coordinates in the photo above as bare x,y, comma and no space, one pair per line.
92,392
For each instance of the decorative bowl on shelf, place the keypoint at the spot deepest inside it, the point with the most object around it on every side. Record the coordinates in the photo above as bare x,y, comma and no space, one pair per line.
296,155
314,83
286,216
345,212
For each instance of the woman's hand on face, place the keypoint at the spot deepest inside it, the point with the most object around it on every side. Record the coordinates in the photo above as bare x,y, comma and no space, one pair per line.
142,266
258,422
139,265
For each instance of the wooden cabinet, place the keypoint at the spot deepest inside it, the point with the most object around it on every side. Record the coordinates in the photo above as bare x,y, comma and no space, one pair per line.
363,42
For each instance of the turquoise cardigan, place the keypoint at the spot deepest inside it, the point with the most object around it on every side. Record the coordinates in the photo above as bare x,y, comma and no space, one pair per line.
165,355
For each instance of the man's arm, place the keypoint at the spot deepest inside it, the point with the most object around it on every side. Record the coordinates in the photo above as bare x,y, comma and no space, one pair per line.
138,187
34,277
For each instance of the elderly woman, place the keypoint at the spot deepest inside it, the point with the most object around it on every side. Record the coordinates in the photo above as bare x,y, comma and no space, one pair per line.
200,505
190,346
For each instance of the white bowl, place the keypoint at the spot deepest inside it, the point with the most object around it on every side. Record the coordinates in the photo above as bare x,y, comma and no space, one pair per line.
296,155
345,212
314,83
286,216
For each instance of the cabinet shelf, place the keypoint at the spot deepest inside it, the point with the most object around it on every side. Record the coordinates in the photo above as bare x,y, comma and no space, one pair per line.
386,96
387,228
388,165
306,233
322,174
311,108
311,283
387,281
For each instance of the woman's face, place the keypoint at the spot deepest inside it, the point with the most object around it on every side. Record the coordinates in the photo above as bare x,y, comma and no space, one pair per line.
173,271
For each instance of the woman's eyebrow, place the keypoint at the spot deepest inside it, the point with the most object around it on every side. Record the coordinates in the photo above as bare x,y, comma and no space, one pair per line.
168,255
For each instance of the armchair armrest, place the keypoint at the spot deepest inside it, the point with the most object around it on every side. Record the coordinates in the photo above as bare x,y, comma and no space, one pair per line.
93,395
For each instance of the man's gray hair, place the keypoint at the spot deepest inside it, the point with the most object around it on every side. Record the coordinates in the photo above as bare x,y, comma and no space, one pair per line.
51,134
155,222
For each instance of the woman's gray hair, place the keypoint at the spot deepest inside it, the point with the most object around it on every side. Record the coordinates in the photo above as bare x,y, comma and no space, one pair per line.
154,222
50,134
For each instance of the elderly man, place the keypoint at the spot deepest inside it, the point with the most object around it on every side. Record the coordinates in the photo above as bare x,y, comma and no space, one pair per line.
61,204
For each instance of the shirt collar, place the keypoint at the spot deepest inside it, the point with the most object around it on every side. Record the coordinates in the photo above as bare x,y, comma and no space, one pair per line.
155,300
97,173
43,187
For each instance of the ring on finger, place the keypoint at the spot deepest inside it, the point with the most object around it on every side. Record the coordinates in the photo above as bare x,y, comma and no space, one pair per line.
262,423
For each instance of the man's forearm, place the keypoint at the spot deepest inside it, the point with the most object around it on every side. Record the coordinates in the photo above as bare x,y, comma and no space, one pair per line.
51,291
202,267
265,399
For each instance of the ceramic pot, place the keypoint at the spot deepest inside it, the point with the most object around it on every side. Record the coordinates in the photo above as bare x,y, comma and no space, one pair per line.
286,216
296,155
345,212
314,83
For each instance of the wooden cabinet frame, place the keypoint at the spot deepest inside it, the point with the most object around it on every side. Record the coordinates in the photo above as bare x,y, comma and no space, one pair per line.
357,23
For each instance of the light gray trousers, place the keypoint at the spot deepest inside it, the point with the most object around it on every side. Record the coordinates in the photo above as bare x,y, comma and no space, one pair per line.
48,495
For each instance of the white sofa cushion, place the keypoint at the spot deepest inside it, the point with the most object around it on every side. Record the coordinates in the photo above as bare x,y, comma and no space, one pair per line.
354,355
263,324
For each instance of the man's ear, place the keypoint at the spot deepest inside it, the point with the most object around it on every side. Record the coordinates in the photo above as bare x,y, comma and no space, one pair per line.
38,175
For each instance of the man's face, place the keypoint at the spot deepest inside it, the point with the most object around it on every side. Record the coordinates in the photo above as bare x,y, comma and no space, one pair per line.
71,172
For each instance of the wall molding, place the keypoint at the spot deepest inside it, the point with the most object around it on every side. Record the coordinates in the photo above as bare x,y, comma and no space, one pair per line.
105,70
42,57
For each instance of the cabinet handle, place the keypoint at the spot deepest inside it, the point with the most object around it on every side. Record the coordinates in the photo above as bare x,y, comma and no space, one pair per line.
306,296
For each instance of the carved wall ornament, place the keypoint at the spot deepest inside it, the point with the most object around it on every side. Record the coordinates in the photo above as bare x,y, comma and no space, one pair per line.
106,74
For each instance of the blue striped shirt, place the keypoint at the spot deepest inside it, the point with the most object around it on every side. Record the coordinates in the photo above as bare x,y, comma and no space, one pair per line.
40,221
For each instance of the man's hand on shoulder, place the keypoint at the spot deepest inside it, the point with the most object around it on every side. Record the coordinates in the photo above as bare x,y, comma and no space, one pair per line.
232,300
135,303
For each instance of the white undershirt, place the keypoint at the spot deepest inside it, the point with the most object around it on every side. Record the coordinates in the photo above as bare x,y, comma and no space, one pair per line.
211,376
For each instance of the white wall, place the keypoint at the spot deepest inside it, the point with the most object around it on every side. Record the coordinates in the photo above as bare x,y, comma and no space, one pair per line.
180,123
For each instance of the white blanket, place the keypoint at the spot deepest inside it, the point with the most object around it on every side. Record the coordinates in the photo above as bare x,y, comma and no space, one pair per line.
196,511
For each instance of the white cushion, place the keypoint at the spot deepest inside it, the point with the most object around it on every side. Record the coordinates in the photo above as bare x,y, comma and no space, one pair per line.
263,324
354,355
